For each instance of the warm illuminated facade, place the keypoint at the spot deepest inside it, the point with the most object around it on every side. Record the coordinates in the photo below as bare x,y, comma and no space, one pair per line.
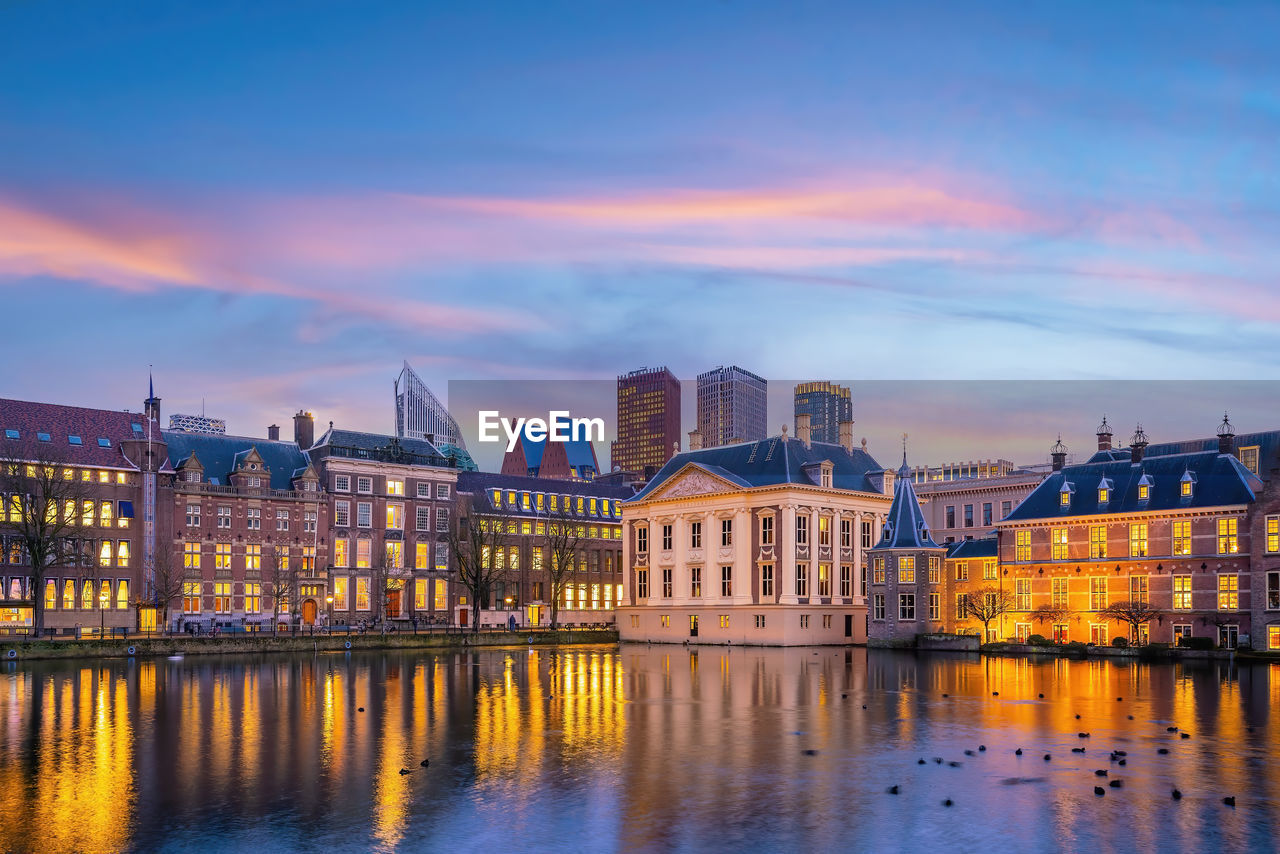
524,507
753,543
827,405
648,421
391,505
970,507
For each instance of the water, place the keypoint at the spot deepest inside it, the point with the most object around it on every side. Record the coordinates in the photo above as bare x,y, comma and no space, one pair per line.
638,748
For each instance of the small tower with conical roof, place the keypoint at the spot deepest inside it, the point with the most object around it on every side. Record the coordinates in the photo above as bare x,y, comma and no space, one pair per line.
1226,436
1104,435
907,585
1058,453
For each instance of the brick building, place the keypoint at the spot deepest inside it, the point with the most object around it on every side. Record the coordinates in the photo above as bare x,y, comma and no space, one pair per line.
648,421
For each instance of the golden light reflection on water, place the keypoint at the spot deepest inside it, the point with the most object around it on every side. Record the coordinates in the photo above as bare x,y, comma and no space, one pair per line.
671,741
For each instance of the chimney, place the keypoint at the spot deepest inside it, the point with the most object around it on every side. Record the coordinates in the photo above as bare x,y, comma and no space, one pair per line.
695,440
846,435
1226,436
802,429
304,429
1104,435
1138,444
273,433
1059,454
151,406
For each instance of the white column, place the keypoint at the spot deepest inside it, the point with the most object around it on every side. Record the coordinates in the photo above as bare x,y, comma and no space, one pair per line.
785,567
743,531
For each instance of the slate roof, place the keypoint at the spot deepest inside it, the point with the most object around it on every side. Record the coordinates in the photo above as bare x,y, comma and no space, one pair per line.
904,526
980,547
772,462
218,454
374,446
481,483
1268,443
1220,480
59,422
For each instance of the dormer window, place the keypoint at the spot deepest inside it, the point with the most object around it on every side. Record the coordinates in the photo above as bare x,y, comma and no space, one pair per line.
43,437
104,443
1064,495
74,440
888,531
1186,484
1144,492
12,434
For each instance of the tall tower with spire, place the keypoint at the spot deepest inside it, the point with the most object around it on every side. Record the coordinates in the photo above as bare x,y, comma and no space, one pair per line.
907,585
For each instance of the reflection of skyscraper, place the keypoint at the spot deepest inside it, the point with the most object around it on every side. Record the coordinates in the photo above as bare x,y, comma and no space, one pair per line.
731,406
648,420
420,415
826,404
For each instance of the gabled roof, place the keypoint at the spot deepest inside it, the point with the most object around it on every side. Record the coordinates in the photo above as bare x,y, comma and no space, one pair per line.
218,454
774,461
980,547
905,527
1220,480
60,423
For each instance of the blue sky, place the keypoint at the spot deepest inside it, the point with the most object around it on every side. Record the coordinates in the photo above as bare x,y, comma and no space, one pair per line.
276,203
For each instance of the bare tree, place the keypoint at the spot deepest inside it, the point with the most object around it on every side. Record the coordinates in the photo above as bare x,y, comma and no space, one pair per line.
1131,612
282,573
562,539
43,497
170,573
475,543
1051,614
985,605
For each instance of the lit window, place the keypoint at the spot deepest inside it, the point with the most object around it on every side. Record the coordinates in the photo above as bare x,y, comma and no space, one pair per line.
340,553
1228,592
362,594
1273,533
222,597
122,553
222,556
395,516
1097,594
1098,541
1058,537
906,569
191,597
364,552
1022,545
395,487
1137,539
1182,538
877,570
394,554
990,570
1228,540
1182,592
253,556
253,597
340,592
422,560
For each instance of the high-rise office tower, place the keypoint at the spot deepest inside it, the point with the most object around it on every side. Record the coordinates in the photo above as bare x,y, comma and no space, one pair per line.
731,406
648,420
420,415
826,404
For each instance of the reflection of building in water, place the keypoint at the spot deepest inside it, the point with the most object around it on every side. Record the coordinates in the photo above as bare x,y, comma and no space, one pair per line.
756,543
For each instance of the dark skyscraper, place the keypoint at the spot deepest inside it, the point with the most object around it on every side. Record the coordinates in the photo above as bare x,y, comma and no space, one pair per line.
648,420
826,404
731,406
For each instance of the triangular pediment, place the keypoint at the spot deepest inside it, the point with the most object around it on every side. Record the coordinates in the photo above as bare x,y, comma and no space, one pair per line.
693,480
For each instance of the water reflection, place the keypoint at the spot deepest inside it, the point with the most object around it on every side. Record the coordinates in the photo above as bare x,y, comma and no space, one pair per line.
638,748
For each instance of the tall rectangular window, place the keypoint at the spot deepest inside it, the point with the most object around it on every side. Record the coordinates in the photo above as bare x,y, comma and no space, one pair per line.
422,557
1139,589
642,540
877,606
726,581
846,533
642,583
1273,533
824,579
802,530
846,580
364,553
906,569
766,579
394,553
986,513
1228,539
362,593
990,570
695,582
1022,594
1182,592
935,569
695,535
395,516
1022,545
766,530
222,556
866,534
877,570
282,520
968,515
1228,592
824,530
420,592
1097,594
951,515
1058,593
253,556
1058,537
253,518
342,514
1097,541
1138,539
340,592
191,555
440,599
191,597
253,597
906,606
802,579
364,514
222,597
667,537
1182,538
1273,591
341,553
667,586
193,515
726,532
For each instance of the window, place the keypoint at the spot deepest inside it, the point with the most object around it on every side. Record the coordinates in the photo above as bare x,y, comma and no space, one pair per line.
282,558
968,515
364,514
846,580
191,555
104,514
906,569
253,556
804,621
364,485
990,570
86,596
986,513
253,597
1022,594
846,533
1097,541
1249,458
935,606
824,531
1273,591
642,540
906,606
224,517
1185,485
342,514
1182,592
665,620
951,515
395,516
1058,595
222,556
1228,540
1097,594
68,594
642,583
726,581
1228,592
666,538
724,621
760,621
1273,533
422,556
1182,538
1064,496
1273,637
962,570
1104,495
190,597
877,606
222,597
695,581
1022,545
364,552
766,579
442,519
695,535
442,494
341,555
1058,538
342,483
866,534
667,585
340,593
1139,589
282,520
424,490
254,516
394,554
395,487
802,579
362,593
877,570
439,600
766,530
802,530
1144,492
1137,539
50,594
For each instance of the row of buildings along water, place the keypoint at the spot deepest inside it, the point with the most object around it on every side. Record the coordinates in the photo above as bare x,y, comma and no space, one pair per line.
795,538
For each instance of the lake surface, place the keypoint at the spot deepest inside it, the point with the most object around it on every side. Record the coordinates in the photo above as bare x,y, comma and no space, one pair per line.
635,748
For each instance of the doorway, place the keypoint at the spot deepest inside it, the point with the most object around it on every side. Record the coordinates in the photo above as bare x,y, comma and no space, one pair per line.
309,612
146,619
393,604
693,625
848,625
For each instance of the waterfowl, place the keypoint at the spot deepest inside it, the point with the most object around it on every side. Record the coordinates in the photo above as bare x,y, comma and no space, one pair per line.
1185,734
1098,790
1101,772
404,771
1116,784
1077,750
1047,757
1163,750
893,790
1018,752
1176,795
1229,800
424,763
947,802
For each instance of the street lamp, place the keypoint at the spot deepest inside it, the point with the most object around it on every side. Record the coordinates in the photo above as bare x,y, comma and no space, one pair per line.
329,610
103,599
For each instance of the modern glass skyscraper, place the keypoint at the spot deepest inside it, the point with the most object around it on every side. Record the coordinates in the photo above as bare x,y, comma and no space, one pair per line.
648,420
826,404
732,406
420,415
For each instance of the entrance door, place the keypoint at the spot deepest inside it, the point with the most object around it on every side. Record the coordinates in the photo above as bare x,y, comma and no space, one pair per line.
393,604
309,612
146,619
693,625
535,615
1228,636
462,617
848,625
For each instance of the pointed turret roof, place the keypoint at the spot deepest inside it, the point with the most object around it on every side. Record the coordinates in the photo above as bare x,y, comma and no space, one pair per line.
905,527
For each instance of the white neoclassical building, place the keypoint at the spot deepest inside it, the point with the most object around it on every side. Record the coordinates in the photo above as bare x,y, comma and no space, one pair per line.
754,543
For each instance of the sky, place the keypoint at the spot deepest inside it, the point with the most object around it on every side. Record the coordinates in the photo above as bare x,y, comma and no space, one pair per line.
275,204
